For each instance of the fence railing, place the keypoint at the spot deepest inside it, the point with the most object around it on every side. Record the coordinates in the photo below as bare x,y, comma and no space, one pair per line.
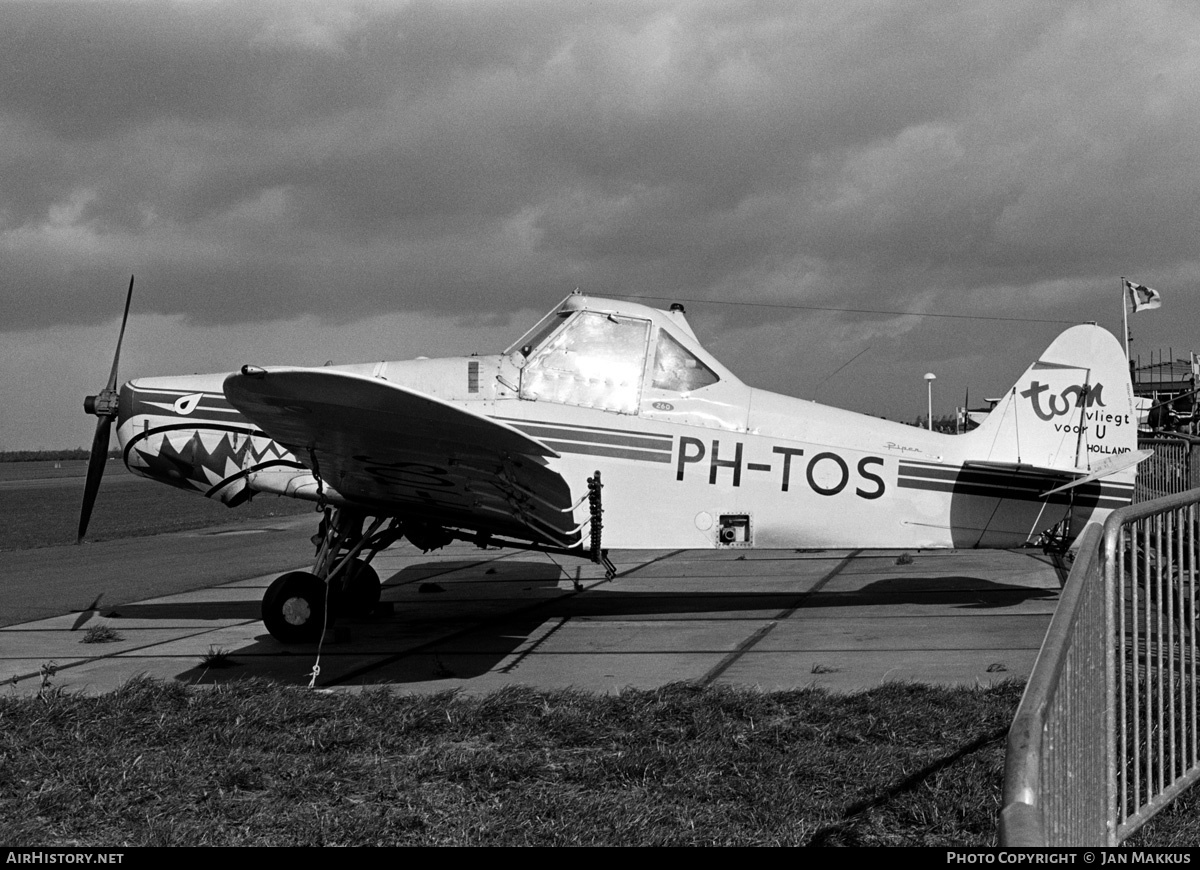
1053,742
1174,467
1108,733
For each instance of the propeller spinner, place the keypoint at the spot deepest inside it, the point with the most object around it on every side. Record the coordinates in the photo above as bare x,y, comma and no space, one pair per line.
103,405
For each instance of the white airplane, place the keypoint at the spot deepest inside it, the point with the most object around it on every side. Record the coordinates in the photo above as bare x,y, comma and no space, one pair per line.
608,425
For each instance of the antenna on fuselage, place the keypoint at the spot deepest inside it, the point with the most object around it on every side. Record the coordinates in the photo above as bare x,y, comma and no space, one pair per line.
839,368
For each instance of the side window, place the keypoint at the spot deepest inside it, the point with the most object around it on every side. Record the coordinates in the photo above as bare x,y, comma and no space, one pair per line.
596,361
676,368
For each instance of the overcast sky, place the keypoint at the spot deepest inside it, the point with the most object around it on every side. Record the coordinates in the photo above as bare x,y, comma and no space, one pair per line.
302,182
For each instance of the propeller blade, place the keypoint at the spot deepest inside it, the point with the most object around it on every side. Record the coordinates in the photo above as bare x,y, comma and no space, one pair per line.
104,405
112,378
95,471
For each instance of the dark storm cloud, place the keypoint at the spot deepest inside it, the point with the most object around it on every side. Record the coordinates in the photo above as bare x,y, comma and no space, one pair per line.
86,71
256,160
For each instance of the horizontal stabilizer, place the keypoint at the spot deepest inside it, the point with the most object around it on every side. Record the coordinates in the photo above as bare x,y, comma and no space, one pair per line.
1020,467
1109,466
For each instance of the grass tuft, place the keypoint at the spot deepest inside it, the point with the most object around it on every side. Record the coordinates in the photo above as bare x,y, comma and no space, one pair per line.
217,659
101,633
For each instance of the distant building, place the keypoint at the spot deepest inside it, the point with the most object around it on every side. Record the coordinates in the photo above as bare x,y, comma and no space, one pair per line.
972,418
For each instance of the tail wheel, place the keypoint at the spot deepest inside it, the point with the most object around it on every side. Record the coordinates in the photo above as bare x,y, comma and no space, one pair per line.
360,590
294,608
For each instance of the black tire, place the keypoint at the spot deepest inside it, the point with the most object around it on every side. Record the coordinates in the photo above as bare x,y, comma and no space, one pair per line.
293,609
360,590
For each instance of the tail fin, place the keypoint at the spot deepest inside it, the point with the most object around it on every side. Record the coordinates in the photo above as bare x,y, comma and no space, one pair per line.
1071,410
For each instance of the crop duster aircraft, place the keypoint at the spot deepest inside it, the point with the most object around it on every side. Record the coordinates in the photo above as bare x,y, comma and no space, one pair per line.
608,425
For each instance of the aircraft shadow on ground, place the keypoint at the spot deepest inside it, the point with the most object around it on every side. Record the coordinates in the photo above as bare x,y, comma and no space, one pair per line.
971,593
463,627
168,611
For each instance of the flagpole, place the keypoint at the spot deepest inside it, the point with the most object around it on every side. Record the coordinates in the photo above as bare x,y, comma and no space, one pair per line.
1125,318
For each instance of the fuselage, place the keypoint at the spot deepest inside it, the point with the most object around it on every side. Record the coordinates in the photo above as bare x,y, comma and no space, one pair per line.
691,457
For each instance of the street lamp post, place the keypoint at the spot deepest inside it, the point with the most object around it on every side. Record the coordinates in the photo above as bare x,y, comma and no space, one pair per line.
930,377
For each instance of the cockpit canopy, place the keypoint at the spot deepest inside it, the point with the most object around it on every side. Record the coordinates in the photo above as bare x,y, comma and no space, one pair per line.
595,356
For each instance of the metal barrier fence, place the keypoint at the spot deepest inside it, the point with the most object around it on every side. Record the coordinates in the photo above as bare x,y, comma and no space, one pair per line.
1170,470
1059,725
1108,732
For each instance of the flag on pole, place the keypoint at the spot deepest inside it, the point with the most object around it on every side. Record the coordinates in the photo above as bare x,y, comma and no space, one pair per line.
1142,298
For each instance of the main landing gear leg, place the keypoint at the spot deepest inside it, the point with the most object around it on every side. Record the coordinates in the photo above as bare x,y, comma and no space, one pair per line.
299,605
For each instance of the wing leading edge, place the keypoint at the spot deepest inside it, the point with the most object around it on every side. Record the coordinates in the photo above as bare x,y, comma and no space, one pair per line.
385,447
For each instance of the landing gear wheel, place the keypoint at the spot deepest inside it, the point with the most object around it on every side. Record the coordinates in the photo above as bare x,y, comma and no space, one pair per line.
294,608
360,590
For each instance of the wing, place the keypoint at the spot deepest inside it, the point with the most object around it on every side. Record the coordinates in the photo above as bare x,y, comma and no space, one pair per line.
403,453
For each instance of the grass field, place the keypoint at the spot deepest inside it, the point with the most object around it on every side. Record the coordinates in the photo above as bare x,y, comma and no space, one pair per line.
259,764
157,764
46,511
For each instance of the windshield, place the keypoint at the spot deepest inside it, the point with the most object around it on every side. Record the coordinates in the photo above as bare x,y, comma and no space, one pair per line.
596,361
